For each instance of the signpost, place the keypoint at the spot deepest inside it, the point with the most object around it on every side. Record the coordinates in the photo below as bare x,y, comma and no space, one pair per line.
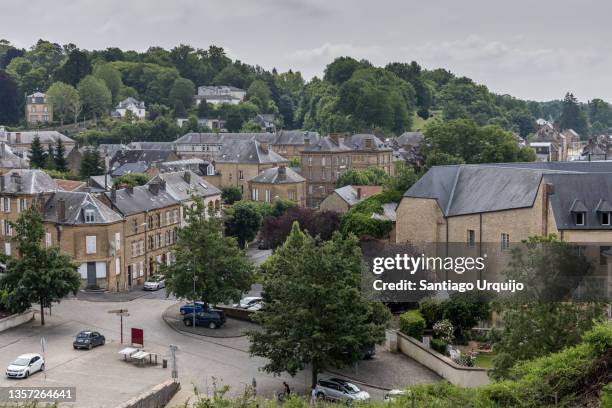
43,346
121,313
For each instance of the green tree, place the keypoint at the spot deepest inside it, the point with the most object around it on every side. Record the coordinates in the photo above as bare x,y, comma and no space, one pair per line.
243,221
61,164
403,179
259,94
50,158
112,79
572,115
75,68
95,96
342,69
316,314
91,164
372,176
37,154
220,270
64,99
9,100
231,194
132,180
40,274
182,91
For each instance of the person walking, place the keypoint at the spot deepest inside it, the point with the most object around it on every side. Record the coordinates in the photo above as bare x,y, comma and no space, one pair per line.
287,389
313,397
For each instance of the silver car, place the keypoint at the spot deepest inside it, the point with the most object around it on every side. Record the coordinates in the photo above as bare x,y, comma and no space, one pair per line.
336,389
155,282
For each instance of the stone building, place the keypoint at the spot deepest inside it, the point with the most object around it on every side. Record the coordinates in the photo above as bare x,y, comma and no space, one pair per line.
290,143
344,198
38,109
278,182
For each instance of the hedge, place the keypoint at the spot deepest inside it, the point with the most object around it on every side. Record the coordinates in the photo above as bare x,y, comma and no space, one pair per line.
412,324
439,345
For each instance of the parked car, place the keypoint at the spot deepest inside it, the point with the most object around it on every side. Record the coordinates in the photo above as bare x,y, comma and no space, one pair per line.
25,365
88,339
255,307
188,308
248,302
155,282
336,389
211,318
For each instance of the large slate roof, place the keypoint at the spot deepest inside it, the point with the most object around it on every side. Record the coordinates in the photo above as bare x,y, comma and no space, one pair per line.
140,199
409,138
27,181
181,189
295,137
147,156
270,176
10,160
248,151
75,205
45,137
222,138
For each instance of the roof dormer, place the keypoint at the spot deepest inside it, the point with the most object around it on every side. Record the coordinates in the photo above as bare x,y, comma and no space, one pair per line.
579,210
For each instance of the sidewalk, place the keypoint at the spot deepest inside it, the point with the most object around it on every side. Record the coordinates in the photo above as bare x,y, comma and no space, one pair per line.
135,292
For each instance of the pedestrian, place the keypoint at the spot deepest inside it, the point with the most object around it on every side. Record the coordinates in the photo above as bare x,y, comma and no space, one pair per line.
287,389
313,397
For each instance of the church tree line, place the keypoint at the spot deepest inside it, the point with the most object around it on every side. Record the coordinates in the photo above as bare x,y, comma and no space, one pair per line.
352,95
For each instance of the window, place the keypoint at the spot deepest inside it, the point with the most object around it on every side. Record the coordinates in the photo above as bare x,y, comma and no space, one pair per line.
471,238
255,194
48,239
605,254
21,205
168,218
580,218
142,247
7,204
267,196
7,248
140,268
310,160
505,241
291,194
134,248
135,226
90,216
210,170
8,228
240,175
605,218
322,161
160,219
117,241
90,242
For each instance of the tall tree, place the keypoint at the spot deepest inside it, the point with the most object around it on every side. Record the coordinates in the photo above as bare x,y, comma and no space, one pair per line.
39,274
60,157
75,68
112,79
64,98
182,90
95,95
243,221
572,116
92,164
50,158
9,100
37,154
315,314
205,258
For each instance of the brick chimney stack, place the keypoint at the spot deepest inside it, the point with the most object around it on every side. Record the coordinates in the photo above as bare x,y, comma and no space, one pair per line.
61,210
334,137
282,172
187,177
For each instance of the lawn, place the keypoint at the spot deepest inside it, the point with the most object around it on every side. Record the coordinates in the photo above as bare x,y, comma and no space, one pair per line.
484,360
418,123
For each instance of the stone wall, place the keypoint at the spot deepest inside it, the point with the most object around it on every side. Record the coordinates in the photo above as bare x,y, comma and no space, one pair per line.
157,397
16,319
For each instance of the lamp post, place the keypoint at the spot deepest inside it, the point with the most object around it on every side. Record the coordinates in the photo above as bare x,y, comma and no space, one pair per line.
195,278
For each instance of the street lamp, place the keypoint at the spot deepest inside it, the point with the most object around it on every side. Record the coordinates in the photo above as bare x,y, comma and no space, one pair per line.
195,278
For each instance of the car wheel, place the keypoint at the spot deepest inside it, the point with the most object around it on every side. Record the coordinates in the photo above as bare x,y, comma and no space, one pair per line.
320,395
42,367
89,347
26,375
188,322
212,325
103,342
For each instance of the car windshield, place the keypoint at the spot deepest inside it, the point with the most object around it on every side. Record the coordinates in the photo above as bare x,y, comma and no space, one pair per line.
351,388
21,362
82,335
155,278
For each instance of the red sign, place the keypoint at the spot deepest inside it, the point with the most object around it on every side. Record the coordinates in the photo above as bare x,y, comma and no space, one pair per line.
137,336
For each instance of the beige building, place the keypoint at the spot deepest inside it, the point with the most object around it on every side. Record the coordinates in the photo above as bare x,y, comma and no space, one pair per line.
344,198
38,109
240,161
278,182
21,142
323,162
497,206
291,143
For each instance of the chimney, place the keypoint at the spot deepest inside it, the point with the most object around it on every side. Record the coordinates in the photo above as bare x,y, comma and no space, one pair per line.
263,146
368,143
113,193
162,185
359,193
154,188
306,141
187,177
282,172
334,137
61,210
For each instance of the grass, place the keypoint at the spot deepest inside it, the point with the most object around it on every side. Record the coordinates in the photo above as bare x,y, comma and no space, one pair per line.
418,123
484,360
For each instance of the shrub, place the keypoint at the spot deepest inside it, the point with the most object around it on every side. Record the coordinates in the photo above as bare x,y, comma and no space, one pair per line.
431,310
439,345
465,359
412,324
444,330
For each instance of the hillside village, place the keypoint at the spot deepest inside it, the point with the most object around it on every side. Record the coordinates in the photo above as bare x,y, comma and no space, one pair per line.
121,154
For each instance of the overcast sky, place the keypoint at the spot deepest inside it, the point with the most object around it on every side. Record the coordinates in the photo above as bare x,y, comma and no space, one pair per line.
535,49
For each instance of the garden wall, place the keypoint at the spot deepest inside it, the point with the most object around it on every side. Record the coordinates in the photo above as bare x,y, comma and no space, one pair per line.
16,319
157,397
440,364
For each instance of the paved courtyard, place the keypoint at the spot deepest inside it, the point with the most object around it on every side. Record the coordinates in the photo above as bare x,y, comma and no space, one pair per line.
103,379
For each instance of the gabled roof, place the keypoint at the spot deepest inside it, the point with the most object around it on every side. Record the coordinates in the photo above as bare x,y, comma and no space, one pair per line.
350,194
249,151
222,138
271,176
70,185
603,206
182,187
295,137
360,141
130,101
28,181
151,145
409,138
141,198
45,137
327,144
578,206
129,168
147,157
99,182
75,204
10,160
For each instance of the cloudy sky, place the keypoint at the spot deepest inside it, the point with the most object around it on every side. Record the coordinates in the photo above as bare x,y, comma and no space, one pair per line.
536,49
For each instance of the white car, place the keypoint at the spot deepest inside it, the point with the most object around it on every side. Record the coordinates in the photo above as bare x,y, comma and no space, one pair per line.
248,302
394,395
155,282
25,365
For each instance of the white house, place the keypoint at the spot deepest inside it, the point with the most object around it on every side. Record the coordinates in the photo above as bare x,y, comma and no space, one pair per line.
220,94
130,104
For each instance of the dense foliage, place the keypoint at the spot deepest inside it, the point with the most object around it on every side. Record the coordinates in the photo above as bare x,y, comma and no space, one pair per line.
321,224
359,221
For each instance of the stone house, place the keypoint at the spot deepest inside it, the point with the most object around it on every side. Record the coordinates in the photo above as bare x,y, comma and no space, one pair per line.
344,198
38,109
278,182
290,143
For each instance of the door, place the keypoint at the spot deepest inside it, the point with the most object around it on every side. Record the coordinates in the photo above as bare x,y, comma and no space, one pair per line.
91,274
129,275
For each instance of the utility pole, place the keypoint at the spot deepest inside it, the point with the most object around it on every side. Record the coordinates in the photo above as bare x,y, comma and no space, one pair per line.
121,313
173,350
195,278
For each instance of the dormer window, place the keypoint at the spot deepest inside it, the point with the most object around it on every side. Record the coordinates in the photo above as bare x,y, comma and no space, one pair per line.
580,218
604,211
90,216
605,218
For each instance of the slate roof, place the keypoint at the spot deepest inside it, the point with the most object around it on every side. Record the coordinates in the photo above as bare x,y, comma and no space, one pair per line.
472,189
151,145
222,138
10,160
359,140
248,151
97,182
327,144
75,204
130,101
129,168
409,138
140,199
271,176
31,181
182,190
295,137
148,157
389,213
45,136
349,193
